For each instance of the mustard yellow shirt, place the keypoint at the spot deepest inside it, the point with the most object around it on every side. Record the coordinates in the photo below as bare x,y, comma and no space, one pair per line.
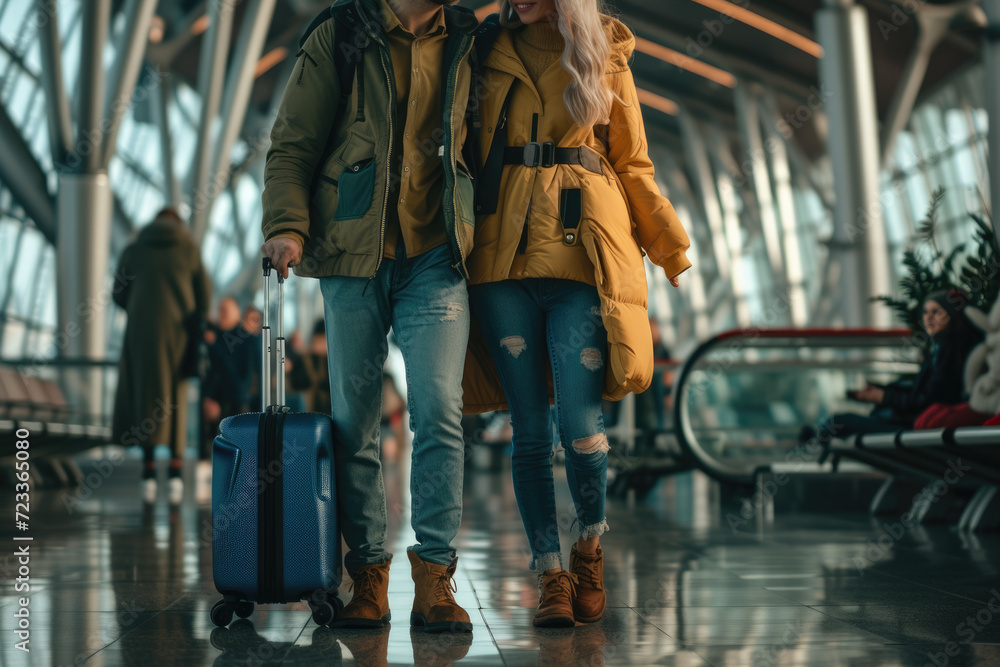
416,64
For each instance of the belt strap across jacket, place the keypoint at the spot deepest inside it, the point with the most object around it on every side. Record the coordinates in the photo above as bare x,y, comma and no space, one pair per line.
547,154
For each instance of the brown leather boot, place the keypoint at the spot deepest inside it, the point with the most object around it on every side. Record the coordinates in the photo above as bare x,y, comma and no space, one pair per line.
369,607
590,600
434,606
555,606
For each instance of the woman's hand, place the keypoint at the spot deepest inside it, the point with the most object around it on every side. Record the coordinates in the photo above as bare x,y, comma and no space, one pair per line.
871,394
675,281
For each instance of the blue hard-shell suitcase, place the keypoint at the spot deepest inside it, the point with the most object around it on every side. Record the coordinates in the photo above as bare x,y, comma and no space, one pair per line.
274,518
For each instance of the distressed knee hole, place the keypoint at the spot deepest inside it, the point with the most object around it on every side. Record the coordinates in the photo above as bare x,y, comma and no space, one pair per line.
452,313
590,357
514,345
592,444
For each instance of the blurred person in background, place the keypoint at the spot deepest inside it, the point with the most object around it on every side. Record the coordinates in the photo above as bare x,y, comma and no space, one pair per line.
393,427
940,379
250,326
165,285
226,388
294,349
310,375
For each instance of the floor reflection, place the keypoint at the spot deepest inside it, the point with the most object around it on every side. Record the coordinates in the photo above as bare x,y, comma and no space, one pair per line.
114,582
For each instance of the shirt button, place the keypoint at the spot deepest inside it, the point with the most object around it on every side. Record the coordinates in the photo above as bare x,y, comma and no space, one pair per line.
413,103
406,169
407,135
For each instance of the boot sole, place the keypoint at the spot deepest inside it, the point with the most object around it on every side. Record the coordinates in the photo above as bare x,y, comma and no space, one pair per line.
361,623
554,622
590,619
419,623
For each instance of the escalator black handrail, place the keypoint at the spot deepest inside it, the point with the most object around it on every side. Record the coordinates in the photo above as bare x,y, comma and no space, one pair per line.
757,337
60,362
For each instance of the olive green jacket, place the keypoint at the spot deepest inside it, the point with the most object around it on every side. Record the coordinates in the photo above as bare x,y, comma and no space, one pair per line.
328,175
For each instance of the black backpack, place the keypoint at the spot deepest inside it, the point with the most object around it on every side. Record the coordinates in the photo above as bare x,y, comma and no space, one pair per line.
349,49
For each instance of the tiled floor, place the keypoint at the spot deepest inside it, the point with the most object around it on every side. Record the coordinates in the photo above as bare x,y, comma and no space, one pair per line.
114,583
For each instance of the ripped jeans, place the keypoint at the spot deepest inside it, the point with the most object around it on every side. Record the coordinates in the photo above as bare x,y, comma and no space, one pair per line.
528,324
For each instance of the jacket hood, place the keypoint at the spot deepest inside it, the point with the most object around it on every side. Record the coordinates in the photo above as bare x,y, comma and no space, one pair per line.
622,44
164,231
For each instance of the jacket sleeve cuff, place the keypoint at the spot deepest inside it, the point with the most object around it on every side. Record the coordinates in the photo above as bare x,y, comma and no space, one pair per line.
295,235
676,264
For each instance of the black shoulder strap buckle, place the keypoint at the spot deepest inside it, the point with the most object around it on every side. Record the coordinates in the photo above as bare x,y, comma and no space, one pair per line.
548,154
532,154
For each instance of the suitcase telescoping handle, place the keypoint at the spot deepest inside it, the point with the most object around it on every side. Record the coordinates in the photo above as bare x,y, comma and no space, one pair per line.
265,374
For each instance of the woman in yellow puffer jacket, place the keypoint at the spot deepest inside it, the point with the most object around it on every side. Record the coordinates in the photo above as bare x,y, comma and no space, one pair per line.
557,284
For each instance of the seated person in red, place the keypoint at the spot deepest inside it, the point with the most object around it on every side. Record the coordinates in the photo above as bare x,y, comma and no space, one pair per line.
940,379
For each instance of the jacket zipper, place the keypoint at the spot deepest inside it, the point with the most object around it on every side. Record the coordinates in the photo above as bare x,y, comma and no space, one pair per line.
388,161
460,263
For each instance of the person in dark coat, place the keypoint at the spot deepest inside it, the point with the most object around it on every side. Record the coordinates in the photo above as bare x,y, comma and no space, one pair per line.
940,379
309,374
165,285
226,387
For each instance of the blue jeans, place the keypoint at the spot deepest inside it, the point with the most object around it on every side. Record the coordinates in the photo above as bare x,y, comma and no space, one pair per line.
425,301
528,324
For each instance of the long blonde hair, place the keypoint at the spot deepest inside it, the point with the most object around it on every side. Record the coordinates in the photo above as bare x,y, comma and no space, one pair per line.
588,98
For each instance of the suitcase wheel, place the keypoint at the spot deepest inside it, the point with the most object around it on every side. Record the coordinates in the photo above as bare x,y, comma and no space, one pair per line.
322,613
222,613
244,608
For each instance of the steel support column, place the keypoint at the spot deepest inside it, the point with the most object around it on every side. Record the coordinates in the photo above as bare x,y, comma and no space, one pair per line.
58,114
933,24
755,162
991,65
692,282
83,294
211,78
777,153
239,84
162,96
701,170
858,241
128,61
728,195
90,143
22,175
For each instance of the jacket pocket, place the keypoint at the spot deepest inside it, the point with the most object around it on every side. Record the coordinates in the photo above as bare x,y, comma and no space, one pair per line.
355,190
465,196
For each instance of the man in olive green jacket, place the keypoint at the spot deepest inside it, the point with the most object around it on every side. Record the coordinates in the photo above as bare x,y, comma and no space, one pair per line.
366,190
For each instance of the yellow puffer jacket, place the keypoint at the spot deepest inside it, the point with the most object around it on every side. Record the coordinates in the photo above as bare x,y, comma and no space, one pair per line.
623,213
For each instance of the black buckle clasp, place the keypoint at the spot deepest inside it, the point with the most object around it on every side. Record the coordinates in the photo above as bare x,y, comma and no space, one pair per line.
548,154
532,154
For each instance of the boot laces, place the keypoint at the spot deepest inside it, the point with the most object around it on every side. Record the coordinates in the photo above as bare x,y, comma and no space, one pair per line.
586,571
562,582
445,586
365,581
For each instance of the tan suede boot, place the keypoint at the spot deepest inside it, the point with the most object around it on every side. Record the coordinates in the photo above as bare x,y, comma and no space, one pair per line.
590,600
555,605
369,608
434,606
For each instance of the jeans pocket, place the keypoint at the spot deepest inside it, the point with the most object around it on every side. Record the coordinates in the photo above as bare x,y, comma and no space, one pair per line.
355,189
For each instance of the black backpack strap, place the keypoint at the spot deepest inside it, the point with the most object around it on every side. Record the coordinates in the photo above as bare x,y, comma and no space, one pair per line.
485,36
488,183
348,53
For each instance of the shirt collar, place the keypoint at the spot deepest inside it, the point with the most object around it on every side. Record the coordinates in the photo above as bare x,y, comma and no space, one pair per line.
391,21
